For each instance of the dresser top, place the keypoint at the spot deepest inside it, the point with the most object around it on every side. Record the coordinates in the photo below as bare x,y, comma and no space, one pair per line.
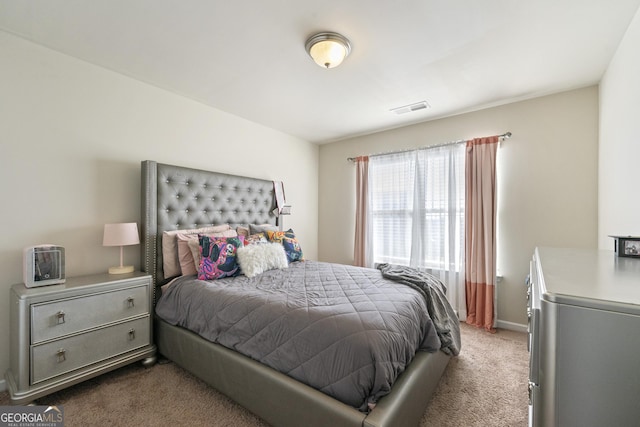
73,284
591,278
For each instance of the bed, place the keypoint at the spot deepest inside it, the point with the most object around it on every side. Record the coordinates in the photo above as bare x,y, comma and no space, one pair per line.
175,198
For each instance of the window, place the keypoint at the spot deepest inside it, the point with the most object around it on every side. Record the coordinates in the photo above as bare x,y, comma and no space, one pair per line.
417,208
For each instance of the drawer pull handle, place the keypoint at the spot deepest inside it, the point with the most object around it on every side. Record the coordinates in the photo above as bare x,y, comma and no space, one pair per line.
130,302
60,317
62,355
530,392
132,334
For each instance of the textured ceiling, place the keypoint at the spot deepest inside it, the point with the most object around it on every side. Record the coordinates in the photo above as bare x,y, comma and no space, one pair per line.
247,58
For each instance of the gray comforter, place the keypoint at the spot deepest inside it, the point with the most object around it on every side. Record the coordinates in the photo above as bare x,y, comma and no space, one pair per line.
344,330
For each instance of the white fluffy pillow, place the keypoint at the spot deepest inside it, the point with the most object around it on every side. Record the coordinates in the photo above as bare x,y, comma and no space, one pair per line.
258,258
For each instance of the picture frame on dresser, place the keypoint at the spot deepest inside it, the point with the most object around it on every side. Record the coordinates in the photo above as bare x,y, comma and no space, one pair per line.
627,246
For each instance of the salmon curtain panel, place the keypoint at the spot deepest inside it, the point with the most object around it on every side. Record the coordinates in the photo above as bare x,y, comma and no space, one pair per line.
362,251
480,231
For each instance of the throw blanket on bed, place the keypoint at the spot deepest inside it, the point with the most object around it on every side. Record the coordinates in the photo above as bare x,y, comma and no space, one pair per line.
442,314
346,331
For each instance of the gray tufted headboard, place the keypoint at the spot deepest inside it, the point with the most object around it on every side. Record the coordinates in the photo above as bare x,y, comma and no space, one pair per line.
175,198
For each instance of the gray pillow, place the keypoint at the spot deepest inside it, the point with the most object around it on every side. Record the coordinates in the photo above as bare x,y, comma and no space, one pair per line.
262,228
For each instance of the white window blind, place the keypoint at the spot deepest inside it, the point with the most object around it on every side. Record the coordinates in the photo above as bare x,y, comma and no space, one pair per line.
416,208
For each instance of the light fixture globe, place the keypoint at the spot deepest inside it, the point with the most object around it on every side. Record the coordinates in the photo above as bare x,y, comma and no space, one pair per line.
328,49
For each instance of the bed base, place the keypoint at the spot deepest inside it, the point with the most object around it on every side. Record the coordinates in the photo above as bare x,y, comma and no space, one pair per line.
283,401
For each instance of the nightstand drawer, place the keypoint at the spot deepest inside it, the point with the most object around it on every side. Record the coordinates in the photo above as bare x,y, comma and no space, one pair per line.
66,316
77,351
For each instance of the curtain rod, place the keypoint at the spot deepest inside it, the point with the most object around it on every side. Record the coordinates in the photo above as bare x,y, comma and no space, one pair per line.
505,135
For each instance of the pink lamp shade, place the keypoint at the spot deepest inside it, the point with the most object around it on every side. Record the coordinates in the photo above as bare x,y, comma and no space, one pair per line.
121,234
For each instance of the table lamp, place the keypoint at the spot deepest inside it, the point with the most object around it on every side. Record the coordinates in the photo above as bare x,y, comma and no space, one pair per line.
121,234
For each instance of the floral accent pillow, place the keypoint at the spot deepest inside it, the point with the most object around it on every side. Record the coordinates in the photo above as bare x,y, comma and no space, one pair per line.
189,250
218,257
288,240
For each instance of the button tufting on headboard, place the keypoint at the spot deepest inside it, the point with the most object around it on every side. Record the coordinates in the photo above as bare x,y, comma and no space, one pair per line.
176,197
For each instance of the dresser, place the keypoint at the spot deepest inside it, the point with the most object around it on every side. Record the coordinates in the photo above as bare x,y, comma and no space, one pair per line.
584,339
64,334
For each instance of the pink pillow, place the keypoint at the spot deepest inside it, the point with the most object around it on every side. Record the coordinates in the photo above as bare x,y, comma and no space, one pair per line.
170,259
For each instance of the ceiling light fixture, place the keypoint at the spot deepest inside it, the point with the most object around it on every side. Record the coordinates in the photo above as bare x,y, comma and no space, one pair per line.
328,49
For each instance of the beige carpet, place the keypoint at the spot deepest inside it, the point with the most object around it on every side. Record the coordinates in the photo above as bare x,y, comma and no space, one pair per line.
485,386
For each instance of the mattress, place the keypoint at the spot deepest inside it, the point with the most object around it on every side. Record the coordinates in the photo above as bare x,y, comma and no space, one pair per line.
345,331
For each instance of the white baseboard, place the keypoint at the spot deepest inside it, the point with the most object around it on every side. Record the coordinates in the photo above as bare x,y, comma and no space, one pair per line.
3,385
503,324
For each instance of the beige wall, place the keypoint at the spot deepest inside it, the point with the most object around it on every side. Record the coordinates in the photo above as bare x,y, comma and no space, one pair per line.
619,173
72,136
547,174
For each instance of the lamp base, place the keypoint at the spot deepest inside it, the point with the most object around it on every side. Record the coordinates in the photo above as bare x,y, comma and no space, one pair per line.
121,270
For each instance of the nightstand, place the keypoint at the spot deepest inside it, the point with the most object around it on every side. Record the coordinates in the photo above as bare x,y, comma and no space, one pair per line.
64,334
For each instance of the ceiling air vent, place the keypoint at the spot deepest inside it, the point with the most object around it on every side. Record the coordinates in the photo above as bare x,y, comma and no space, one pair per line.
422,105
